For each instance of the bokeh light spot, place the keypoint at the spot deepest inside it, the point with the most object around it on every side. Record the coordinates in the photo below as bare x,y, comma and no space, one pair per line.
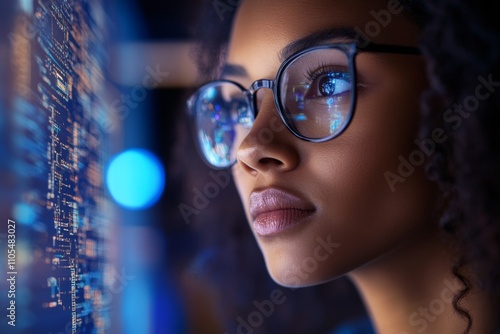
135,179
24,213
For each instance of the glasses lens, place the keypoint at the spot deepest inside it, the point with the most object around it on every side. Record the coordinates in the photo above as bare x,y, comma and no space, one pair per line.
316,92
223,118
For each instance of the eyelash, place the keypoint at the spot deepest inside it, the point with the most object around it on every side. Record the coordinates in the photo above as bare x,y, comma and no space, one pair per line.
313,74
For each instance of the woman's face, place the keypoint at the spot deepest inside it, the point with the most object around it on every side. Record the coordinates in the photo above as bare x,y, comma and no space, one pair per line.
321,210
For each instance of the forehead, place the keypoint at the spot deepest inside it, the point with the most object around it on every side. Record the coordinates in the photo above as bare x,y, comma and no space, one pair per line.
263,27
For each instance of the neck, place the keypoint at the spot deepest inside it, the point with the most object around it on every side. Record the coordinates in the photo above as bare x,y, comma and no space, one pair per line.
411,290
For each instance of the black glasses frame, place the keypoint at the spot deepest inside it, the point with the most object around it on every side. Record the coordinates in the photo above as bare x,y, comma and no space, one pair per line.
350,49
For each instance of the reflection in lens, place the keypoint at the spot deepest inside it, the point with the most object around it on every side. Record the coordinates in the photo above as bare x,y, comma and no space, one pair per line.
317,92
222,113
217,153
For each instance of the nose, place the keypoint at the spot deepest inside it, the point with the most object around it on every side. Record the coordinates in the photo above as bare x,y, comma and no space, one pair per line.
269,146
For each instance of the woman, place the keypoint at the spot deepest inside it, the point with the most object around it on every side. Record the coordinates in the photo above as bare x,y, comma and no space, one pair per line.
328,158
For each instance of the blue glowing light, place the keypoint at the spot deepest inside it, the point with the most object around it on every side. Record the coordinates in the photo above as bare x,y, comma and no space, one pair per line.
300,117
136,307
27,6
135,179
24,213
210,93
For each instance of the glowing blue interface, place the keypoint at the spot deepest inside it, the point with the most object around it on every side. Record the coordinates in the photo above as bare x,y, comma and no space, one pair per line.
54,152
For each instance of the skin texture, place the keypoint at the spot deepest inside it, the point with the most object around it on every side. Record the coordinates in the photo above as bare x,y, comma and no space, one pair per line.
388,242
344,177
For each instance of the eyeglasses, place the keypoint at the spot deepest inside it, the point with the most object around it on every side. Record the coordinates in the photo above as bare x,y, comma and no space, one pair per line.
314,93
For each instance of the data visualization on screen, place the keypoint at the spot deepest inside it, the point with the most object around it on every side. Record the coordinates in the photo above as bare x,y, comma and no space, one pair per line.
57,144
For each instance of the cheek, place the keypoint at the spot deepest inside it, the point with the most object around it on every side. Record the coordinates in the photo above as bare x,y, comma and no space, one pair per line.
359,216
359,205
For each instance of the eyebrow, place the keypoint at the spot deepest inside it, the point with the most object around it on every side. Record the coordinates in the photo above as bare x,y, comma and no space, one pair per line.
315,39
298,45
234,71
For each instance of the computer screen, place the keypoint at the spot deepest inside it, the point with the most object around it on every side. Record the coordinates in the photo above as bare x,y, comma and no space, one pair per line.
57,275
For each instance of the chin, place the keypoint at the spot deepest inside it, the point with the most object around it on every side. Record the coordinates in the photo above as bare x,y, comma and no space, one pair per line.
294,270
300,279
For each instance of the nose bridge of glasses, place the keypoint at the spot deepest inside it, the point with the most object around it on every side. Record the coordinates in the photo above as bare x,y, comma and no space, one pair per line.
256,85
262,83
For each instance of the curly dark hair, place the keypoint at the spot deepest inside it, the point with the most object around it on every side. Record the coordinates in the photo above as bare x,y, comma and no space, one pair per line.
461,41
462,44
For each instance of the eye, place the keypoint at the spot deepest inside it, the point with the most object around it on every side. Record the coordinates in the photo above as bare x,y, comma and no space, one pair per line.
326,83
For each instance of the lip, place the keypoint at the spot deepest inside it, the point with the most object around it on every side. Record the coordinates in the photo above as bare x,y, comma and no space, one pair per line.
274,211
